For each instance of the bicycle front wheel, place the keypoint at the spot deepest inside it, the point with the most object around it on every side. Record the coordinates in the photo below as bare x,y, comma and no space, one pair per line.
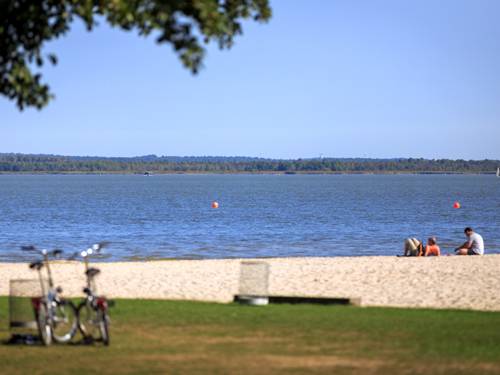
43,323
64,321
88,320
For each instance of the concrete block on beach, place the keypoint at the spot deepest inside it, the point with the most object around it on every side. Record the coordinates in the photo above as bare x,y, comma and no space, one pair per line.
471,282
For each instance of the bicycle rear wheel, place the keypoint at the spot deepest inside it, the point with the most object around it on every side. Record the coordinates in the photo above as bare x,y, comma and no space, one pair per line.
64,321
104,328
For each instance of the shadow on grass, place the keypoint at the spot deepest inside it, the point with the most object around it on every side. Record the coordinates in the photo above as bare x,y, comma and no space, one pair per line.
34,340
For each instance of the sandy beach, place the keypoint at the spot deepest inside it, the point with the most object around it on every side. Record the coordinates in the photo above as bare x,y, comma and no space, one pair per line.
434,282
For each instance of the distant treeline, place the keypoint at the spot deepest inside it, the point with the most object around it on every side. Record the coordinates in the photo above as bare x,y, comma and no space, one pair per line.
213,164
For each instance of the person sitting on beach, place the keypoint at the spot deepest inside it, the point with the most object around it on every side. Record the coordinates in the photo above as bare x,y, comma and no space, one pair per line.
474,244
413,248
432,248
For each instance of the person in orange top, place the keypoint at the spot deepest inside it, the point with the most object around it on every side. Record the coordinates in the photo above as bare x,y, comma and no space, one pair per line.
432,248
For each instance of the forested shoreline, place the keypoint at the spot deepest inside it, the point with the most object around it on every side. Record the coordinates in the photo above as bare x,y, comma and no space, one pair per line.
30,163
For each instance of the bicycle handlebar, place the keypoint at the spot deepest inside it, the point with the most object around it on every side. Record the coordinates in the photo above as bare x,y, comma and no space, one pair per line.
95,249
31,248
99,246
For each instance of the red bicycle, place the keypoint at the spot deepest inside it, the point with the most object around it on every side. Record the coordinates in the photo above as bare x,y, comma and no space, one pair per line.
56,317
92,312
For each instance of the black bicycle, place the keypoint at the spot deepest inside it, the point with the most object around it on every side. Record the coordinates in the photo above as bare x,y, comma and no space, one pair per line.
56,316
93,317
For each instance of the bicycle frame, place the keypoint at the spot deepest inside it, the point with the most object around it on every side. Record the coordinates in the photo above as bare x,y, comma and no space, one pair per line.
49,304
94,306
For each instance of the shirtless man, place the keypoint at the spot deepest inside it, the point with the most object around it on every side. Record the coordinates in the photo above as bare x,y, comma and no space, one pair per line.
474,244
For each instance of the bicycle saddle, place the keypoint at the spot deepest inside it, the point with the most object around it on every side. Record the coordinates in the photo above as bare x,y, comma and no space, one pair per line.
91,272
36,265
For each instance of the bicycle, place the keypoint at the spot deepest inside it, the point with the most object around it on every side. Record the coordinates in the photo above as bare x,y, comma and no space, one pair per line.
92,312
56,317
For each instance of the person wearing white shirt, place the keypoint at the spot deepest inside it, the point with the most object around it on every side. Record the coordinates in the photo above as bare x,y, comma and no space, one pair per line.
474,244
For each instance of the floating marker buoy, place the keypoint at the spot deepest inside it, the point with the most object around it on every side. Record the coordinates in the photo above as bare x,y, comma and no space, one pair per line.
456,205
215,204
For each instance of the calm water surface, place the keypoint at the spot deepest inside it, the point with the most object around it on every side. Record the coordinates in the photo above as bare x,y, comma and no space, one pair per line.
169,216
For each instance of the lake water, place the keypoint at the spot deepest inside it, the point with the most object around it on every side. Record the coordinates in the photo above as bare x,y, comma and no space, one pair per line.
170,216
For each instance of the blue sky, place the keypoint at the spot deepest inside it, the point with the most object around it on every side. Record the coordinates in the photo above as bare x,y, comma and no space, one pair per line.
338,78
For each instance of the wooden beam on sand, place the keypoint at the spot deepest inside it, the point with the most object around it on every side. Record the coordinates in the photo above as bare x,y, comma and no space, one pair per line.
248,300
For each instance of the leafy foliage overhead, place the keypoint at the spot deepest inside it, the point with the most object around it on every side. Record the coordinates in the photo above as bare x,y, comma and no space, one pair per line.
184,24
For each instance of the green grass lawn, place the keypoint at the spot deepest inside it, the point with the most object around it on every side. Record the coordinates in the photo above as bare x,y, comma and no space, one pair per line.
190,337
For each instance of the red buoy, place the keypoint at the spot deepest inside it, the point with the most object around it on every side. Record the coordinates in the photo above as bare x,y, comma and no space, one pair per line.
456,205
215,204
